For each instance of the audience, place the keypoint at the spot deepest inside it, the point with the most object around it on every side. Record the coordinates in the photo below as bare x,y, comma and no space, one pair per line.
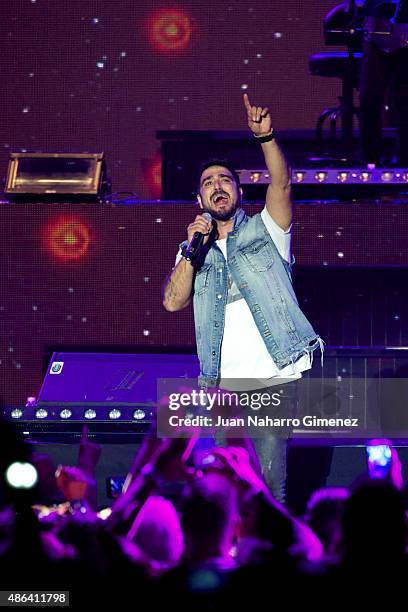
324,514
203,538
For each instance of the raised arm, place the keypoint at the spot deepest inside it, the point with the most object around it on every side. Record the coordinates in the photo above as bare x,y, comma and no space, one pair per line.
278,197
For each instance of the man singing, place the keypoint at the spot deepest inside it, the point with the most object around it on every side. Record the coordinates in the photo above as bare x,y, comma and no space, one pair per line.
248,322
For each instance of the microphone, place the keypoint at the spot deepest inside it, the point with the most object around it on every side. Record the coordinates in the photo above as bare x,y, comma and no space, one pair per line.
196,242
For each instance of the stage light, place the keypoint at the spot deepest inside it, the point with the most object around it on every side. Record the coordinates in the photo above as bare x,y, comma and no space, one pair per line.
342,177
379,455
67,238
41,413
365,176
21,475
114,414
66,414
169,30
152,174
16,413
57,177
387,176
105,513
90,414
320,176
139,414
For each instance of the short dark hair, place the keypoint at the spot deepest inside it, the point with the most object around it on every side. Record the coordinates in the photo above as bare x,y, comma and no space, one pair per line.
215,161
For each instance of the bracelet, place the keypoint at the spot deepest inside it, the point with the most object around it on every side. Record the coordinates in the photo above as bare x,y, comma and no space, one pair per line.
266,137
187,257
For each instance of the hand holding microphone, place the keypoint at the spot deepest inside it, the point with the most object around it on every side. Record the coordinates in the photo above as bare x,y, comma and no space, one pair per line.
197,234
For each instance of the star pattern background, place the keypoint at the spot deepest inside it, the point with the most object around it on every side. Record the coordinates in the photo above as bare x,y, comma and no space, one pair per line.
93,75
105,75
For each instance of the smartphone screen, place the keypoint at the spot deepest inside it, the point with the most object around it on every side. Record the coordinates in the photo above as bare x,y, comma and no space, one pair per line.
114,486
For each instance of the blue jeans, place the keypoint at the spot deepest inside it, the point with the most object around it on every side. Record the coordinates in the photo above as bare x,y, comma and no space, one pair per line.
270,450
272,457
268,453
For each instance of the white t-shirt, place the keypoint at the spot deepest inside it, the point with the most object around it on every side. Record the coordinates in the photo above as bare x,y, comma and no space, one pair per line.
243,351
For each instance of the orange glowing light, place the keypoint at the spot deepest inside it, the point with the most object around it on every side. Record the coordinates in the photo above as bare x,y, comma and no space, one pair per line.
152,174
169,30
67,238
70,239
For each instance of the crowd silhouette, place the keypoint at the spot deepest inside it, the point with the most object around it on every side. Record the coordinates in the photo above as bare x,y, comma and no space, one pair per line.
200,539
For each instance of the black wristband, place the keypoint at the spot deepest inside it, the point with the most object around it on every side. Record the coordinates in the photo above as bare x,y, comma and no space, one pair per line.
266,138
185,256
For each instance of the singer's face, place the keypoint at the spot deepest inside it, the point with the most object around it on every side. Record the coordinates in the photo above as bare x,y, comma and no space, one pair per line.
219,193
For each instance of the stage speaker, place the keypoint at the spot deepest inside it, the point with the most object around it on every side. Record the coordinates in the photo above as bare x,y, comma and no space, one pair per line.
114,394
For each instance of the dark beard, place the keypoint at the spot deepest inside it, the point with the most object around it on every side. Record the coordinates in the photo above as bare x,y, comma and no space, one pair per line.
226,216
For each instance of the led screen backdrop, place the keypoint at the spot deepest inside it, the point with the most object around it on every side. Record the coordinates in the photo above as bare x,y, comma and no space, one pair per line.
104,75
75,274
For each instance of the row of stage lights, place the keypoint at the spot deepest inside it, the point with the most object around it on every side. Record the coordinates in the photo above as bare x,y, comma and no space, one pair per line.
89,414
362,176
332,176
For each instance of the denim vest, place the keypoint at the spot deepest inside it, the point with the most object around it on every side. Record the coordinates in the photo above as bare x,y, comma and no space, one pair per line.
263,278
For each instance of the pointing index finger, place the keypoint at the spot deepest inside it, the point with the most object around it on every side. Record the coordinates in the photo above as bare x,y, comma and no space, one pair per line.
247,102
